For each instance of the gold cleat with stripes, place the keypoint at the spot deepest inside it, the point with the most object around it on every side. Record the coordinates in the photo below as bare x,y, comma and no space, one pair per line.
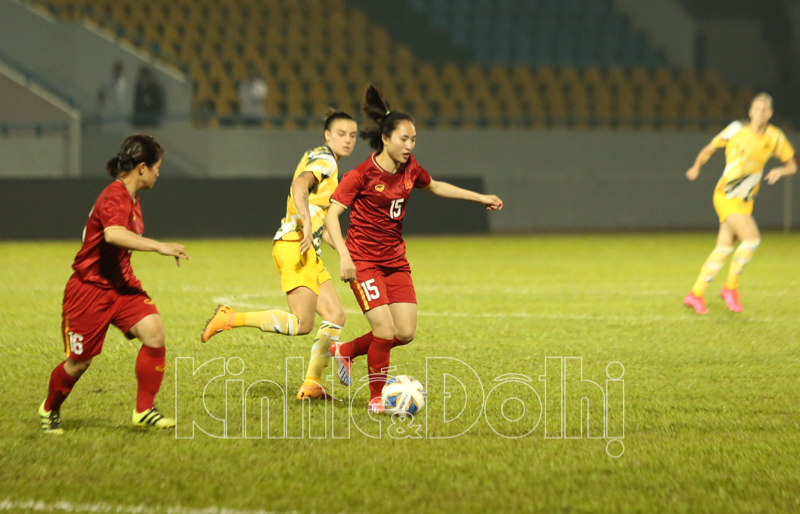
152,418
51,421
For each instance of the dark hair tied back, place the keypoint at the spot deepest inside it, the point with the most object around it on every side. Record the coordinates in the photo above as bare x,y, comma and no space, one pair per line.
135,150
377,109
332,115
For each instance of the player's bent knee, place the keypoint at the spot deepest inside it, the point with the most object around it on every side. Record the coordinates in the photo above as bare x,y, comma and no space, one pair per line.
404,337
337,318
751,244
155,338
333,315
383,333
306,325
76,368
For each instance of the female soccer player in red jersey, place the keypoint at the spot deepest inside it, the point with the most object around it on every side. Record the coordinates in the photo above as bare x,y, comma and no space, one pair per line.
373,260
103,289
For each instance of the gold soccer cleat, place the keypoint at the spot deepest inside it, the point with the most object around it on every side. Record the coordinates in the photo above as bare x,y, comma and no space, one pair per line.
51,421
152,417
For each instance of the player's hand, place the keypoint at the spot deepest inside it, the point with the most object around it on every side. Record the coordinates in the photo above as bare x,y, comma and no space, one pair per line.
693,172
491,202
174,250
774,175
307,240
347,268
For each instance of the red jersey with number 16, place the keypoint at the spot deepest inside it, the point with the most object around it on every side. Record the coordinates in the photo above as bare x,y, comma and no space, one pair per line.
377,200
98,262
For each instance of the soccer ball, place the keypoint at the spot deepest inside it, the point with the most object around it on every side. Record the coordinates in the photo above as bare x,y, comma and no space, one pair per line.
403,395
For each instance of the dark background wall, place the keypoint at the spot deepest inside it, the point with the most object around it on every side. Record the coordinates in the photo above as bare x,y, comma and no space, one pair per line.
58,209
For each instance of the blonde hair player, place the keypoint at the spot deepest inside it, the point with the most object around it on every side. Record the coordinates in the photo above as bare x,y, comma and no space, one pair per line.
748,147
296,253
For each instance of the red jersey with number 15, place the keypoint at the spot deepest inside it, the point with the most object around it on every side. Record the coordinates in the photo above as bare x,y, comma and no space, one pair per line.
98,262
377,200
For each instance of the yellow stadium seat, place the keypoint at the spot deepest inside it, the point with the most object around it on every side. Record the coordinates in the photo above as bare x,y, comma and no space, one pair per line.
474,75
593,77
521,76
427,73
687,77
716,112
307,72
451,75
490,109
216,70
616,76
640,77
713,78
546,75
511,108
498,75
481,92
663,77
568,75
448,110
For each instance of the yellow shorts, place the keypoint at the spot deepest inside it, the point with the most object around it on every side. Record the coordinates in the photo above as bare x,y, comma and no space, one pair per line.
727,206
298,270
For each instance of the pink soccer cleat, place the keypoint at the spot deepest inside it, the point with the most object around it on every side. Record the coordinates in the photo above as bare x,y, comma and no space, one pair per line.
695,302
375,405
731,297
342,364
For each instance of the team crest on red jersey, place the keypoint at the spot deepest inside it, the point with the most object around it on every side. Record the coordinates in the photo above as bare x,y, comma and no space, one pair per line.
408,183
379,187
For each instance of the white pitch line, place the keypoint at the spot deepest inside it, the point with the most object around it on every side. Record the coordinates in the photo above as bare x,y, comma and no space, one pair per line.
234,301
65,506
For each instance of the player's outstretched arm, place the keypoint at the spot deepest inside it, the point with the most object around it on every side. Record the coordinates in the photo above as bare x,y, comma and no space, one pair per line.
300,188
788,169
702,158
346,266
445,190
327,238
124,238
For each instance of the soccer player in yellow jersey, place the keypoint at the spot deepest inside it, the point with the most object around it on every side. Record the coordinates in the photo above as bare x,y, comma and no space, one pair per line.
748,147
296,252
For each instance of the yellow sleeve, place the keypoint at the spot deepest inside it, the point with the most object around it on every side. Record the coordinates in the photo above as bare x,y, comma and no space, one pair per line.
783,148
321,165
721,140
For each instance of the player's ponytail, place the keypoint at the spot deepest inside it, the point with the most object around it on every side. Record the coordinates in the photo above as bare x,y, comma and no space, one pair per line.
135,150
377,109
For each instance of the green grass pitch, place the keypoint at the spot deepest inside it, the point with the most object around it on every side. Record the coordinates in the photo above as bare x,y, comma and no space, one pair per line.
710,402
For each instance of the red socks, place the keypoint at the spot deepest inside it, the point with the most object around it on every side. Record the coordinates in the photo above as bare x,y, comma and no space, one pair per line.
150,365
377,351
378,361
357,347
61,384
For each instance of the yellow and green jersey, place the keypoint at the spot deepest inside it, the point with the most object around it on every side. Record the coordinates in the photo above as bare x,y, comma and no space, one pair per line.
321,162
746,154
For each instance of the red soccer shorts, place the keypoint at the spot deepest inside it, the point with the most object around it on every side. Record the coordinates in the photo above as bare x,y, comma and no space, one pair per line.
88,310
377,285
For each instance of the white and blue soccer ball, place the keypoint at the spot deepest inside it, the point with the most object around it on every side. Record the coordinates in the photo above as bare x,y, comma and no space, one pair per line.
403,395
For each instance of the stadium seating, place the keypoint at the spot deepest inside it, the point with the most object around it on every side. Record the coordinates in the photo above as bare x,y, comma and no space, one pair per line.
319,53
540,32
